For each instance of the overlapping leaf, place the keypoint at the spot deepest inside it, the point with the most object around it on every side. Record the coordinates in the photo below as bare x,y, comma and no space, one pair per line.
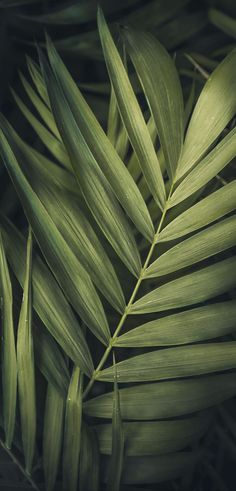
62,260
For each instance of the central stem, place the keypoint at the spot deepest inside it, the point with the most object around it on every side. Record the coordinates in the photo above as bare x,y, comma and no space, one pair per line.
128,306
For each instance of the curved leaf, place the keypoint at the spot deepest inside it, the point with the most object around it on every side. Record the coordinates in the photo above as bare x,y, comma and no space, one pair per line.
131,114
8,349
200,246
214,109
82,293
166,399
184,361
190,326
100,146
161,85
206,211
190,289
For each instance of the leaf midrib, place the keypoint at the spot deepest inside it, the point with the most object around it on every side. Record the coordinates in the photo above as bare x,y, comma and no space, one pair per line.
131,300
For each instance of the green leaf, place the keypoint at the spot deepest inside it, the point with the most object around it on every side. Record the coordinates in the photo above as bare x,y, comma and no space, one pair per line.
51,361
152,469
161,85
63,262
41,107
184,361
89,460
37,78
206,169
210,241
214,109
131,114
118,441
166,399
48,299
8,349
25,364
35,163
225,22
52,435
91,134
190,326
72,433
190,289
93,184
55,146
206,211
155,437
77,231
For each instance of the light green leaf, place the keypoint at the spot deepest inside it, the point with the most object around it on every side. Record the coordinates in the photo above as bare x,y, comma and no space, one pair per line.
117,443
63,262
93,136
55,146
190,326
214,109
52,435
89,460
210,241
48,299
50,360
190,289
155,437
206,211
166,399
72,433
161,85
83,241
41,107
184,361
93,184
131,114
8,350
37,78
206,169
35,163
25,364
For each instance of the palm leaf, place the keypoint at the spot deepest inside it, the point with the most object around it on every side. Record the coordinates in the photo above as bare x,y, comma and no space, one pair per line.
25,365
9,363
110,217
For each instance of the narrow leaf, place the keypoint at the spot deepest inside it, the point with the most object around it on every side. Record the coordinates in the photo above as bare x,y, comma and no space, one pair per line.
184,361
117,444
206,211
102,149
161,85
93,184
155,437
190,289
89,460
72,434
55,146
25,363
63,262
200,246
48,299
166,399
8,349
131,114
52,436
206,169
214,109
190,326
